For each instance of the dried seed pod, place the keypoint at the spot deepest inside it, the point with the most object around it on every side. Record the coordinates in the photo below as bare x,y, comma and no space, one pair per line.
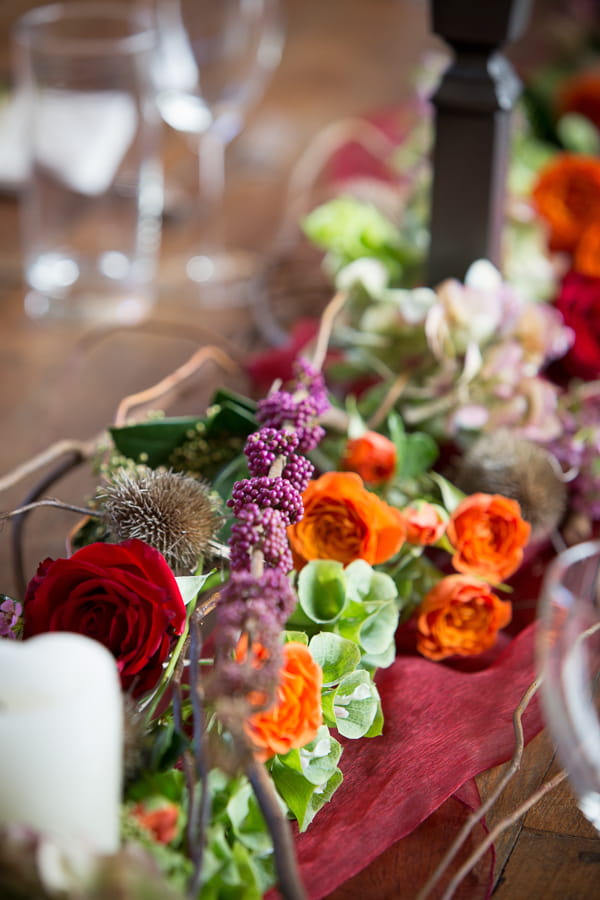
504,463
174,513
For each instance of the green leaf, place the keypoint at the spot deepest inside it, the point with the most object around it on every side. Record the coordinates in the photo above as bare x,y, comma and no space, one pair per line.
318,760
191,585
234,471
382,660
368,586
327,698
355,704
322,590
350,229
303,798
377,727
377,631
421,453
153,442
336,655
451,495
247,820
579,134
299,637
232,413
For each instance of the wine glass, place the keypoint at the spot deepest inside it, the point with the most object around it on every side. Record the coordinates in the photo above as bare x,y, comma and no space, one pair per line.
569,662
213,62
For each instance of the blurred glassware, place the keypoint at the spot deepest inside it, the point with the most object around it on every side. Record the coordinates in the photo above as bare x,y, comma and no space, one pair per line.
92,200
213,62
569,663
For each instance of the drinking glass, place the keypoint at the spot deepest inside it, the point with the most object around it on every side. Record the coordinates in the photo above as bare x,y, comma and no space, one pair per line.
213,62
91,205
569,662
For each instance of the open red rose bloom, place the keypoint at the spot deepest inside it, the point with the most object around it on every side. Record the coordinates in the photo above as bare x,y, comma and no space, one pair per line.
122,595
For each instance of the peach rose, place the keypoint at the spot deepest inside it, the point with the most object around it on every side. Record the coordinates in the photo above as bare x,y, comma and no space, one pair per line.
372,456
296,716
488,534
460,616
344,521
424,523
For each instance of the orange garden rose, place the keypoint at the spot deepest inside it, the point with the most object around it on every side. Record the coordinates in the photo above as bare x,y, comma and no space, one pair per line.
567,196
343,521
488,534
372,456
424,523
160,822
295,717
460,616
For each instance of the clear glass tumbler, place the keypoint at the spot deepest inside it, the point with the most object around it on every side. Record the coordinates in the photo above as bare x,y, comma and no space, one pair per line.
569,662
92,203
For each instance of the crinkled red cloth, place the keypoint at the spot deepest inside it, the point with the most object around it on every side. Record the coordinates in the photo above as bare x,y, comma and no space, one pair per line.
408,864
442,727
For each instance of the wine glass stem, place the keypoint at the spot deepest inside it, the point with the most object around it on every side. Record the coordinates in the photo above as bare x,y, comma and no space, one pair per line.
211,183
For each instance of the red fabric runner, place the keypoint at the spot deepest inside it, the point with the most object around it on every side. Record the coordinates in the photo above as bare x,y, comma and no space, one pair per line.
442,727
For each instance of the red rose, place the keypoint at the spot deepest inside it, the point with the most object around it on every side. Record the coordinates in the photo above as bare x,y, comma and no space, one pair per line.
579,303
122,595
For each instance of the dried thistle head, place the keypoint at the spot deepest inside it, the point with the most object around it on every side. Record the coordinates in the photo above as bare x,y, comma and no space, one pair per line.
174,513
504,463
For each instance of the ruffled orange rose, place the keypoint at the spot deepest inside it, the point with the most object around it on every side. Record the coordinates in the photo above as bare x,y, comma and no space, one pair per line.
424,523
296,716
567,196
372,456
488,534
460,616
344,521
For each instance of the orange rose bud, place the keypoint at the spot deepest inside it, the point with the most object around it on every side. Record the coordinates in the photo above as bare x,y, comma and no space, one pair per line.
344,521
296,716
460,616
160,822
424,523
372,456
567,196
488,534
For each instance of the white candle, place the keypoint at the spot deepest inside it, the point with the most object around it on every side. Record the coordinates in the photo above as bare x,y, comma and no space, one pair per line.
61,739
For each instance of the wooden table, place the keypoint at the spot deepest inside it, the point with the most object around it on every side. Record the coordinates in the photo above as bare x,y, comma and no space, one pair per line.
342,57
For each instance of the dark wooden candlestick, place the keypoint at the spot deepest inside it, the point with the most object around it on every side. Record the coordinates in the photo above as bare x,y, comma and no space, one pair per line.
472,124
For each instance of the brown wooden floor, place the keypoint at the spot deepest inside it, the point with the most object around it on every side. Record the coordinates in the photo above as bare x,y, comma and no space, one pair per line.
342,57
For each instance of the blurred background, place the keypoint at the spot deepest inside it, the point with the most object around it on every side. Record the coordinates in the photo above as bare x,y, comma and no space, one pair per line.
341,59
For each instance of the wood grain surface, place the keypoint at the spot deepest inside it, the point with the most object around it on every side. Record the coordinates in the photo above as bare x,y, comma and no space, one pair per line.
342,58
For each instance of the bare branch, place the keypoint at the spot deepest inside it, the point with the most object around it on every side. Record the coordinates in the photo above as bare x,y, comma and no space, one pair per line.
500,827
326,327
173,379
513,766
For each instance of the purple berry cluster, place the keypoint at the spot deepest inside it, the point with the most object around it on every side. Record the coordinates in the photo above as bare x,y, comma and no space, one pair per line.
258,598
264,529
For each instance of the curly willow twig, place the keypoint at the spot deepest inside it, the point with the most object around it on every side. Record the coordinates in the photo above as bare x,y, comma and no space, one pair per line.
513,767
77,452
502,825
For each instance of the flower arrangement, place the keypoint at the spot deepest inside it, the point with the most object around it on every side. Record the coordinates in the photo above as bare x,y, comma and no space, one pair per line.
252,574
